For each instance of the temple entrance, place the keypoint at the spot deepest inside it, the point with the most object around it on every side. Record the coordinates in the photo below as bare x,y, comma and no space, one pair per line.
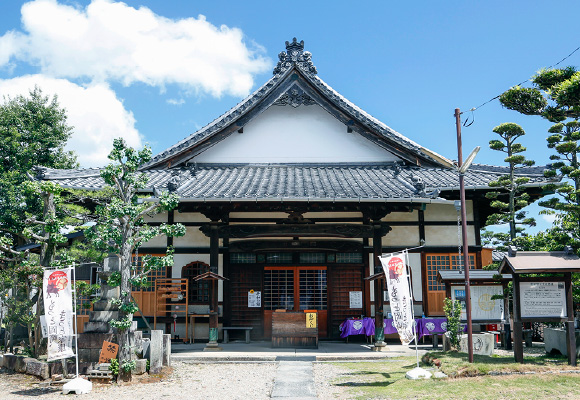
295,289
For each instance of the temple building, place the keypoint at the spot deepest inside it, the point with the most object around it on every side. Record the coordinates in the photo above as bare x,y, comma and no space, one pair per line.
293,194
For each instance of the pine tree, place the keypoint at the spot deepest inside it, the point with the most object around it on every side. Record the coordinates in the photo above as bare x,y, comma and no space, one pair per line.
510,198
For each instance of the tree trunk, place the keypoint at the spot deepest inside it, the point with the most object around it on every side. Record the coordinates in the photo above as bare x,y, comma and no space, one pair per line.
125,351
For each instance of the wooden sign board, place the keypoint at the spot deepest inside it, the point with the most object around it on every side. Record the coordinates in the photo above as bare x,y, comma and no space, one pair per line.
311,320
108,352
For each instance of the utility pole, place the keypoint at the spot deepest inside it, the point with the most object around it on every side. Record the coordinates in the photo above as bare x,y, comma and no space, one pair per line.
464,234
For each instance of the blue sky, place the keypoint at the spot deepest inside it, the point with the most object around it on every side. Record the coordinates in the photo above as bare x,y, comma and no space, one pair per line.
155,71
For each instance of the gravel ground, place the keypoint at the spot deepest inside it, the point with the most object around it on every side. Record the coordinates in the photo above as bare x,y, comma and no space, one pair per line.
188,381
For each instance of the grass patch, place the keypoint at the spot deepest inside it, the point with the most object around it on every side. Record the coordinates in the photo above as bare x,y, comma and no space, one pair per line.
386,380
456,364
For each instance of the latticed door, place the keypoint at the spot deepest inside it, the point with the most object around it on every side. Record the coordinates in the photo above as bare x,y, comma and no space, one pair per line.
295,289
436,290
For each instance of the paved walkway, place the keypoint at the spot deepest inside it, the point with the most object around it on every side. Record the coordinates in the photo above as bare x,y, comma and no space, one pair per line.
262,351
294,379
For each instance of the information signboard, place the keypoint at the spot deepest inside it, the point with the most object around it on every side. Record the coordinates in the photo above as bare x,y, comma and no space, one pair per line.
254,299
355,299
543,299
483,307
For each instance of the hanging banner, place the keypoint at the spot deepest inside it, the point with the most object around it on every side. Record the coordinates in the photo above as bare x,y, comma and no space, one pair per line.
400,296
58,307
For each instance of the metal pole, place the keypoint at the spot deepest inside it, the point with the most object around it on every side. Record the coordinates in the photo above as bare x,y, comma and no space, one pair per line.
464,234
74,274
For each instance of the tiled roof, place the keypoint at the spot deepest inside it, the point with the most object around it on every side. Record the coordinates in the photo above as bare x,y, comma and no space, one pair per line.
295,59
299,181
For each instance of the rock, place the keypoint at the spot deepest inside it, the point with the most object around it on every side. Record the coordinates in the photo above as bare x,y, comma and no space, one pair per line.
89,355
9,361
418,373
439,375
94,340
97,327
20,365
104,305
103,316
483,343
57,377
140,366
37,368
166,359
156,352
146,348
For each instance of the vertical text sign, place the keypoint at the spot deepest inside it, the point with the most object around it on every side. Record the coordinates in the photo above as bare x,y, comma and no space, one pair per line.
311,320
56,285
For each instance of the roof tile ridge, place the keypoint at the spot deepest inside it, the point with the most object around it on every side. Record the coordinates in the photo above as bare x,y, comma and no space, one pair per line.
365,113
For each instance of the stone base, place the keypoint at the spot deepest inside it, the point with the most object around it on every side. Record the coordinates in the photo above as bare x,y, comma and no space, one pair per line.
418,373
483,343
212,347
78,386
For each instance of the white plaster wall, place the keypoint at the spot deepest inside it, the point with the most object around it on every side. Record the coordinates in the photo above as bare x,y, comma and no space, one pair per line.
415,264
161,217
193,238
444,212
302,134
402,236
189,217
446,235
158,241
402,216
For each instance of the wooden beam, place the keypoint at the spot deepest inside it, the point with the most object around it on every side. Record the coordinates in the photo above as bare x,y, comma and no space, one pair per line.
297,230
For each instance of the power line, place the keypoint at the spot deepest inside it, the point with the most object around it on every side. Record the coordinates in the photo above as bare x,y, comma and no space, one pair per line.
527,80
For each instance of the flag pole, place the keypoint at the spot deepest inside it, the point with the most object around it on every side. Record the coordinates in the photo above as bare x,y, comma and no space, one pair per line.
74,290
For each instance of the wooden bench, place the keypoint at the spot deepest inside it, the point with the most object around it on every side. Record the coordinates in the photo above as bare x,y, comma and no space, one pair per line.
236,328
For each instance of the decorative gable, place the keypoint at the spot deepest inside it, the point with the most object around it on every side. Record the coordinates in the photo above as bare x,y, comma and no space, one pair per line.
296,85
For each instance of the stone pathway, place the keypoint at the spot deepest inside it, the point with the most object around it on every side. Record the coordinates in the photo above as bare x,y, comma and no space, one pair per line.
294,379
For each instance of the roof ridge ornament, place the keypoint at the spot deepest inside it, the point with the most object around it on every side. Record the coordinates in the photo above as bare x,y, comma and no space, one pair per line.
295,55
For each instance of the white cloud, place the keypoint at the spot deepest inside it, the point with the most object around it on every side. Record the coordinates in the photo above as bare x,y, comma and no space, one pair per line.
95,112
549,218
111,41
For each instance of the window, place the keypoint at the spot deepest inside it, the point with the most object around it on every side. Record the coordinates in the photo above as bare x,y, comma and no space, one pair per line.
312,258
279,289
313,294
349,258
295,288
242,258
436,262
198,290
279,258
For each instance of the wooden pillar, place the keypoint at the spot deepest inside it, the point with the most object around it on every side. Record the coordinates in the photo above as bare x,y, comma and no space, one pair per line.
213,266
570,331
507,332
518,344
379,315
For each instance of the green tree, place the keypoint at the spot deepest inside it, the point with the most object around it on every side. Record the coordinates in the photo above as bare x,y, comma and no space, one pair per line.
33,133
511,198
555,96
121,229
